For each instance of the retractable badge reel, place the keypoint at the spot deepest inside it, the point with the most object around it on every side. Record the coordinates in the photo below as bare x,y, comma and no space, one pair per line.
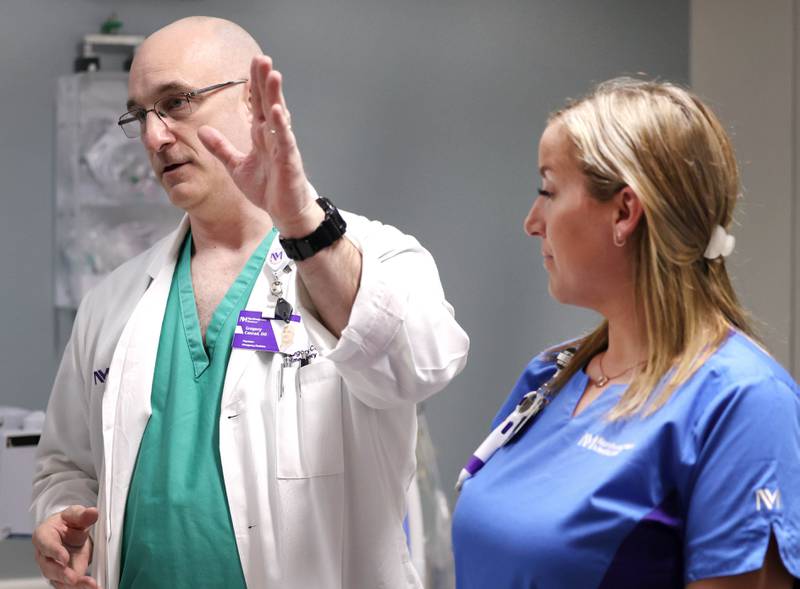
283,308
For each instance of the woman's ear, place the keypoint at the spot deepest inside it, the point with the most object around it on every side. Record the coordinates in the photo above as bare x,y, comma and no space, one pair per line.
627,214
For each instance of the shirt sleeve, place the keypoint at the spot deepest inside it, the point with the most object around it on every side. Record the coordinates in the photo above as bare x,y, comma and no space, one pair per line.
65,471
402,343
744,482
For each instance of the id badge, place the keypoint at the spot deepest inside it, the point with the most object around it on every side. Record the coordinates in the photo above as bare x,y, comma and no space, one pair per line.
254,332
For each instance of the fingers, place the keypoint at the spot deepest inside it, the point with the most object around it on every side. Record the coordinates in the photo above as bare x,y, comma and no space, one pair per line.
48,543
80,564
259,70
79,517
280,122
78,520
220,147
255,92
274,85
56,572
266,88
287,159
82,583
87,582
62,551
73,539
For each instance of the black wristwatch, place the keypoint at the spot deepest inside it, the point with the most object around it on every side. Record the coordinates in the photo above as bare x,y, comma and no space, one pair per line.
330,230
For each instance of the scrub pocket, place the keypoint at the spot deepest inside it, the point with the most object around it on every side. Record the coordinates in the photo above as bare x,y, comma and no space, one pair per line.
309,424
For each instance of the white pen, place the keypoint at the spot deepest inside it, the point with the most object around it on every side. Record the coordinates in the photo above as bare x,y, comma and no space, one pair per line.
529,406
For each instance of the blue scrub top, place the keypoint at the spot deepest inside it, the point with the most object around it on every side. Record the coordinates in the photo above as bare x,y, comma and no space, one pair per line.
690,492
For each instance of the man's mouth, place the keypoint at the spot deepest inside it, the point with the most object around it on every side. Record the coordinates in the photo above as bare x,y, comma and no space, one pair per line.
172,167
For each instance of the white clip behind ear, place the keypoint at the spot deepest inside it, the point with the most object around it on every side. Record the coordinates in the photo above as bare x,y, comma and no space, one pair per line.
720,244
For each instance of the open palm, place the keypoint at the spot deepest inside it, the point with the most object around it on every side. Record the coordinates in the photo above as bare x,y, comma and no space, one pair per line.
271,175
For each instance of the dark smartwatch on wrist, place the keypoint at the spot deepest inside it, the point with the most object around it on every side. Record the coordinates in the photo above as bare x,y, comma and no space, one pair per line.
328,232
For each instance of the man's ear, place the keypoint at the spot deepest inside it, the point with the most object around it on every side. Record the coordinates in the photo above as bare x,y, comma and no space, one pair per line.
248,101
627,214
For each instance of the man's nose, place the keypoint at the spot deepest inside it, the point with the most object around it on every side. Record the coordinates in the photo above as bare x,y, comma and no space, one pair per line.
156,135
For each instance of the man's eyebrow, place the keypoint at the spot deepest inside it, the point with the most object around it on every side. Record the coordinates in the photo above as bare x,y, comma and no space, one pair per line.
165,88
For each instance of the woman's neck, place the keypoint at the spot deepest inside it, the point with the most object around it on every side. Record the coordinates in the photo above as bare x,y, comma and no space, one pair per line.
627,337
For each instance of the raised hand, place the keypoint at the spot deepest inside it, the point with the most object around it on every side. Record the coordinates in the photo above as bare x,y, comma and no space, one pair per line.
64,548
271,175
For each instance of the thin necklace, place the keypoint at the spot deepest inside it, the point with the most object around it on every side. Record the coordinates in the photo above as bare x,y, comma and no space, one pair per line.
604,380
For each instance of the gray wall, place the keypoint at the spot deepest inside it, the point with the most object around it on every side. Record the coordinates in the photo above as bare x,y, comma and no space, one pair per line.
423,114
731,42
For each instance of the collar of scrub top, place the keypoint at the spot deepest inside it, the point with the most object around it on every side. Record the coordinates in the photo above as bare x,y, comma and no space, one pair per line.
528,407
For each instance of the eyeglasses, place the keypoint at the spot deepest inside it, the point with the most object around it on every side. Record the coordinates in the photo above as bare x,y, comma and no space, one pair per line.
175,107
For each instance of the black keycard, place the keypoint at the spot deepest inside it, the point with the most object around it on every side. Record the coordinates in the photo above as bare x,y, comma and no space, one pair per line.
283,310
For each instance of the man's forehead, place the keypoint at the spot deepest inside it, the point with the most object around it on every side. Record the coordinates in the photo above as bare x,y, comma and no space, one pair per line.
138,98
186,55
154,75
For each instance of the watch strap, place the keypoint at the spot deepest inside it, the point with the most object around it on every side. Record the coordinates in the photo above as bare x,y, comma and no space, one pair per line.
329,231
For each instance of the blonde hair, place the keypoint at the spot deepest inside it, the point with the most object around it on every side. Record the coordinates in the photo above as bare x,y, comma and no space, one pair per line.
671,150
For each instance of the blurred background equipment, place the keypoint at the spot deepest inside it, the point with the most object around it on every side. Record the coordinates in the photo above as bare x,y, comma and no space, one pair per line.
428,521
107,40
20,430
109,205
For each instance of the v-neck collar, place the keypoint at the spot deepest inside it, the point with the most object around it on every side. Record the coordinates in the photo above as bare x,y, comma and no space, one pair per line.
202,353
580,381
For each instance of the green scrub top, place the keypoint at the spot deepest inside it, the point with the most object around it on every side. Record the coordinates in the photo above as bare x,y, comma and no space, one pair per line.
178,530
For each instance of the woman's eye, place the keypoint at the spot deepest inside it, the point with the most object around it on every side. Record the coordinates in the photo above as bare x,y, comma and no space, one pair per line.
545,193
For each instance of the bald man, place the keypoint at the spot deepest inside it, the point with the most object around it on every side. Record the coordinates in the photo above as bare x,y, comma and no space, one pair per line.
255,421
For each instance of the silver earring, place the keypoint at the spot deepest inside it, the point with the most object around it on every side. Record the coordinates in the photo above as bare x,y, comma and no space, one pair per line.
618,241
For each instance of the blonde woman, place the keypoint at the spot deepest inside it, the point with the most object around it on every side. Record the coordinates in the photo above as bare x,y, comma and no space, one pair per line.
666,451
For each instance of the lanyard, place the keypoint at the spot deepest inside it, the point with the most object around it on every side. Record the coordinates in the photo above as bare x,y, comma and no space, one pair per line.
528,407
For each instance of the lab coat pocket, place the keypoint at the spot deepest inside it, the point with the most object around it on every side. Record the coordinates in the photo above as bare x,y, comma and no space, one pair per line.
309,424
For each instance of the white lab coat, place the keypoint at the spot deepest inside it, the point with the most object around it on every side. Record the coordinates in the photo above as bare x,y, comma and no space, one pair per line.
315,479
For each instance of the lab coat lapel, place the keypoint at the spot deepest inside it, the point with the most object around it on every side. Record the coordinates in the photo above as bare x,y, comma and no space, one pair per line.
126,401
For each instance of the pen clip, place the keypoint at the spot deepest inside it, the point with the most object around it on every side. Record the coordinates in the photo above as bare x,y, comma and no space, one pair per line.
530,406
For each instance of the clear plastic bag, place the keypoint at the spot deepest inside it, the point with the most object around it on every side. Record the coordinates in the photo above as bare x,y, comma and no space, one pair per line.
109,205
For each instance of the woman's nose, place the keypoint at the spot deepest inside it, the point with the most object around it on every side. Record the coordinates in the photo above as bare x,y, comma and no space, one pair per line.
533,224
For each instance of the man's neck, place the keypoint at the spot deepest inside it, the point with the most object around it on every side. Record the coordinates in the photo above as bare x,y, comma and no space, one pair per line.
229,224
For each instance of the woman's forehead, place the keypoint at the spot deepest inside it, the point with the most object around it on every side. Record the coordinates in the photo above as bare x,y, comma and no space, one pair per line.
556,152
